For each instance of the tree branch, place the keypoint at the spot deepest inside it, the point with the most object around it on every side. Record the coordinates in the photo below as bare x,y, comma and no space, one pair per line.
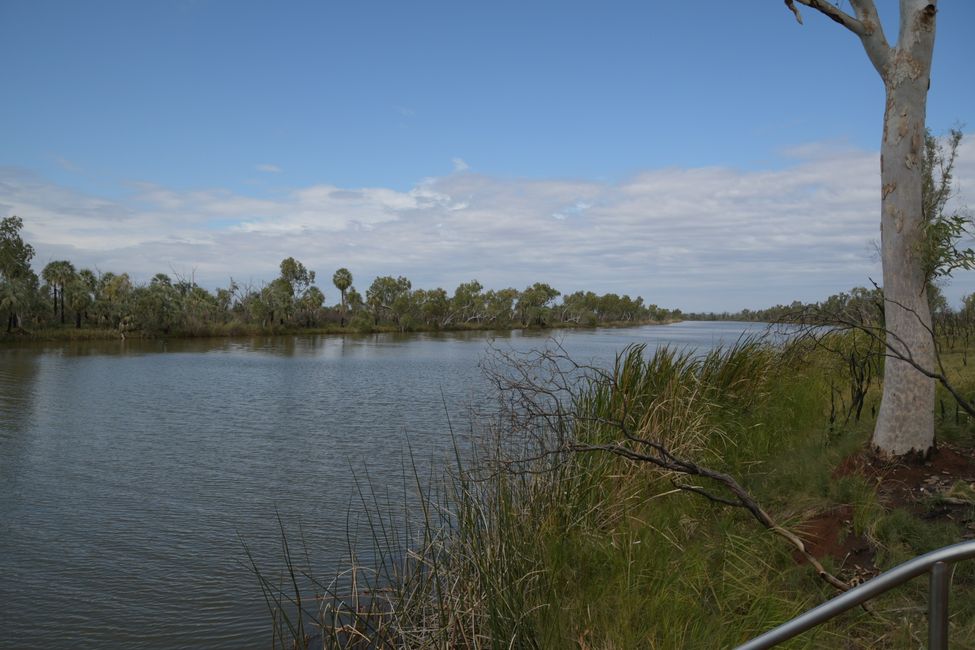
894,346
742,499
866,25
540,380
832,12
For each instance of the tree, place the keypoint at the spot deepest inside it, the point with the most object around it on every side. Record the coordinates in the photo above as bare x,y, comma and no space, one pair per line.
297,276
113,298
58,275
533,304
17,280
79,298
383,293
468,302
49,274
354,300
342,279
905,421
311,303
940,251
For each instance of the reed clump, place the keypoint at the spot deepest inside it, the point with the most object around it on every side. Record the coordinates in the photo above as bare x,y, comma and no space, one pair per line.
535,538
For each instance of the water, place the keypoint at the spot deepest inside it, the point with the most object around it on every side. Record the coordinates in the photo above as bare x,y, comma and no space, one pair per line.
130,471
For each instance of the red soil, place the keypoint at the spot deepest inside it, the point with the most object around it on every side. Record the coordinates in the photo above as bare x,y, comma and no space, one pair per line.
941,487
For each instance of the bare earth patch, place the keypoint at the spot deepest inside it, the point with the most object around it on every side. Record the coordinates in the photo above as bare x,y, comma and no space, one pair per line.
940,488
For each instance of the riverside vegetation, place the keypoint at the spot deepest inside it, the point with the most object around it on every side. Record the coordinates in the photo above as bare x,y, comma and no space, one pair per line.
555,531
66,303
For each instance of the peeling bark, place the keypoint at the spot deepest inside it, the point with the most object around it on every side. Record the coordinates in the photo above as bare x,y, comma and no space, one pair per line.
905,422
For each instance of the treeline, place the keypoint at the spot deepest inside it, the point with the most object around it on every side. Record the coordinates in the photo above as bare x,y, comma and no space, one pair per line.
66,297
858,300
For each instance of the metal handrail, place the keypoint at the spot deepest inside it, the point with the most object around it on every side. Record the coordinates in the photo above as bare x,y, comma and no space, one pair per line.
936,562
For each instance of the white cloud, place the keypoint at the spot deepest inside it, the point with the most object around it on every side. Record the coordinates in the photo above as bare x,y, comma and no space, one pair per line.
268,168
460,165
700,238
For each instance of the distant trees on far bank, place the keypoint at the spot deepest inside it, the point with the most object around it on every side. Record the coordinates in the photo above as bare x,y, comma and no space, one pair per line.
66,297
862,306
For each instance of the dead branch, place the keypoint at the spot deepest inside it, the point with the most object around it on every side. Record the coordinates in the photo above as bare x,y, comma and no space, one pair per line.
816,325
531,377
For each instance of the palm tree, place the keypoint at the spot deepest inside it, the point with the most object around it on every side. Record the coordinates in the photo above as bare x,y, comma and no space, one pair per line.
342,281
49,274
59,274
79,298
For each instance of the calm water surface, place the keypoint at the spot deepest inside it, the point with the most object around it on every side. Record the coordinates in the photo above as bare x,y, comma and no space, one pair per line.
129,471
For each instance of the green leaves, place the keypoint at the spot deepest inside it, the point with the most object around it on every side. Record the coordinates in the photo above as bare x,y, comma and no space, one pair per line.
941,251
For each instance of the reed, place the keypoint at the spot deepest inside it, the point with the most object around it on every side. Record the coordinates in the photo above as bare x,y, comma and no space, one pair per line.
525,543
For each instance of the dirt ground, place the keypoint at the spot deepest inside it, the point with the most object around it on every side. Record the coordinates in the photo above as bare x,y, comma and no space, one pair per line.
940,488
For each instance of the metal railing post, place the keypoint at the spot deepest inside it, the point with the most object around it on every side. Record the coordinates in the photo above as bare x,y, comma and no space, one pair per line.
938,607
937,563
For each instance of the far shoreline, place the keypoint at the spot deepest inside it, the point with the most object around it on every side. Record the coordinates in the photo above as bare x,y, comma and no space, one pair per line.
234,330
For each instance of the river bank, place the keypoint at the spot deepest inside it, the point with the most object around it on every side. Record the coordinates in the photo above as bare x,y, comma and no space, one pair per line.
70,333
593,524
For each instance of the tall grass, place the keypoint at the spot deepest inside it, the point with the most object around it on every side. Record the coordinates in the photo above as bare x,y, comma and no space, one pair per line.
525,543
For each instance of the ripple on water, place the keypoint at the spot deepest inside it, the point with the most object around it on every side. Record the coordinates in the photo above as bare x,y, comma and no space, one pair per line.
128,470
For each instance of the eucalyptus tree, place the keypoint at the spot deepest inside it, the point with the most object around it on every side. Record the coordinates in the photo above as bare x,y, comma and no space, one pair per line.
298,277
434,308
905,421
499,306
157,307
199,307
279,298
18,283
383,293
581,308
342,279
353,300
15,299
112,300
533,303
468,302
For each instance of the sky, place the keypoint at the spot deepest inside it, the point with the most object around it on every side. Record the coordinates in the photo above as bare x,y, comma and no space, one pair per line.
706,155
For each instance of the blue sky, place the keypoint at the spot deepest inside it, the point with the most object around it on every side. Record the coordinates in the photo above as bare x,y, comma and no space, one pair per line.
705,155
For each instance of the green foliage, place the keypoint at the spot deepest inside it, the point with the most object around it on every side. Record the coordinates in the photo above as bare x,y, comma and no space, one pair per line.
557,549
110,302
941,250
18,283
534,304
15,253
860,304
342,279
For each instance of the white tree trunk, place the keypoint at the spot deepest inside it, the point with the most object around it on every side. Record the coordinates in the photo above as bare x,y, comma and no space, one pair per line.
905,423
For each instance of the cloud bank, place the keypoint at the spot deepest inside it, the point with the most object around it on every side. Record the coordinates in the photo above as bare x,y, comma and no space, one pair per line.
699,238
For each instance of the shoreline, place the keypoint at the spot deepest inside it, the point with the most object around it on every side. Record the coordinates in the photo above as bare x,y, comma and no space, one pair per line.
71,334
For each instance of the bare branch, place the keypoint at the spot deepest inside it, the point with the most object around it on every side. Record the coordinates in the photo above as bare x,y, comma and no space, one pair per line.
894,346
542,380
742,498
832,12
792,7
866,25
